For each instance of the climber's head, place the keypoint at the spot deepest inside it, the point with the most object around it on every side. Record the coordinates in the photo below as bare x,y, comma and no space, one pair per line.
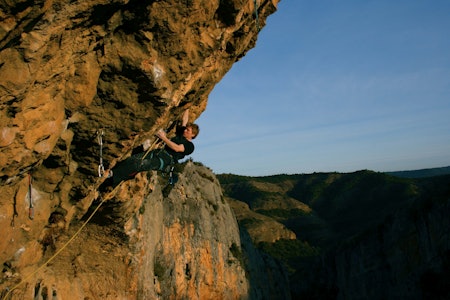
191,131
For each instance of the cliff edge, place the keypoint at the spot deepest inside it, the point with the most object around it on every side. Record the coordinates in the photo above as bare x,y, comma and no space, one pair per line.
82,83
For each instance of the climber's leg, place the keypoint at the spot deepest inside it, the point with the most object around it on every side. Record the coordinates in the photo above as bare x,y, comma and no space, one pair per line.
128,168
125,169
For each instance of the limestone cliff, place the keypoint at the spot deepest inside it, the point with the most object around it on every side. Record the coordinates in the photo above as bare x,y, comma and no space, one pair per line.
81,84
146,242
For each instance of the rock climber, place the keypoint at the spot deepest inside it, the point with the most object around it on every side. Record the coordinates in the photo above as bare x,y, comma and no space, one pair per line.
157,159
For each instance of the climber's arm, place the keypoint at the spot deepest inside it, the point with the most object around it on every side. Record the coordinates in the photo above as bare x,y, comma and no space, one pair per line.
185,118
172,145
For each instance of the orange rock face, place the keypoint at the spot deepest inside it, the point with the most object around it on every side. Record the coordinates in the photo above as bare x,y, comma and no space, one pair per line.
70,70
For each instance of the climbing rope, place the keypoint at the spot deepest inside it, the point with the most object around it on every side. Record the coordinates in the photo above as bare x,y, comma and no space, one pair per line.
101,172
57,252
256,16
101,168
152,146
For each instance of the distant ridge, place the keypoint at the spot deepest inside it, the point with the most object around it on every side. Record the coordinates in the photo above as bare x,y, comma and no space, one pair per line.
328,229
421,173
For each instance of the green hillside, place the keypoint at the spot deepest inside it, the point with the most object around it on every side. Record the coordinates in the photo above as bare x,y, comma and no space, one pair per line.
323,210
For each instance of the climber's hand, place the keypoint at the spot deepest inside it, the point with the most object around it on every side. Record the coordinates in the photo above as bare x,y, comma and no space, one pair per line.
146,144
161,134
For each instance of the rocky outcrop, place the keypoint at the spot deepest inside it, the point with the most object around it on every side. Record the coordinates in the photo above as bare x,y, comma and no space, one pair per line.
82,83
148,242
259,227
71,68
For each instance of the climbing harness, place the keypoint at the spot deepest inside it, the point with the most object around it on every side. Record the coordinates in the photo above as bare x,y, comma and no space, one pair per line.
256,16
30,198
156,141
101,168
169,169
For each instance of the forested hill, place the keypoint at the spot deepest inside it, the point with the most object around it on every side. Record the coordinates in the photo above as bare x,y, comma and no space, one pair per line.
422,172
337,232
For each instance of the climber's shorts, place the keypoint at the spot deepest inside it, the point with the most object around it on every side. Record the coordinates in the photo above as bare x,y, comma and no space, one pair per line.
158,159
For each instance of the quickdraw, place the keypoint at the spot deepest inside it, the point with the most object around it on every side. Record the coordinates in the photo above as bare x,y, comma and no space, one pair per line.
101,168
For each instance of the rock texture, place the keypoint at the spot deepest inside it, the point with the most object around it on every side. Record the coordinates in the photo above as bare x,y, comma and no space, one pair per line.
183,246
70,68
81,84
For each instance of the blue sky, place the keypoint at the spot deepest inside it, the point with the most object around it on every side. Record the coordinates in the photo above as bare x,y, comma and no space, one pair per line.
335,85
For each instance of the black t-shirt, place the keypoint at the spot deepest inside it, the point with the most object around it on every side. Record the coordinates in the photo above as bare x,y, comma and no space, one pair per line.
180,139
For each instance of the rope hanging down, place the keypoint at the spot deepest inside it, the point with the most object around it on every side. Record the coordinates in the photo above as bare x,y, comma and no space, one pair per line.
101,172
57,252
